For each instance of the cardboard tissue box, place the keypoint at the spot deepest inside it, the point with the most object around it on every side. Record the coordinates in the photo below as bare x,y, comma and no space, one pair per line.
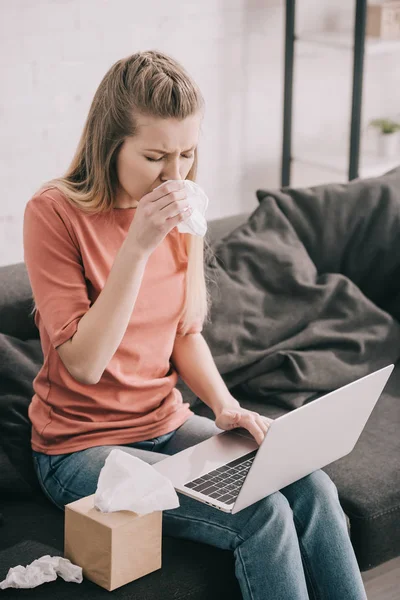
105,536
112,548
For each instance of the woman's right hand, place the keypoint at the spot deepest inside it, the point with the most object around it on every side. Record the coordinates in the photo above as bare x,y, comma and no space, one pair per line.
157,214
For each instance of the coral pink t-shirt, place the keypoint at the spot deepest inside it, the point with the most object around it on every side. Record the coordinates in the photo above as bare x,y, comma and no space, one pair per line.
68,256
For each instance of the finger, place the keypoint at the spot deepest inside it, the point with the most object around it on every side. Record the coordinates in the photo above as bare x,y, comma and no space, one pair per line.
261,420
166,188
173,203
249,422
262,423
180,217
266,420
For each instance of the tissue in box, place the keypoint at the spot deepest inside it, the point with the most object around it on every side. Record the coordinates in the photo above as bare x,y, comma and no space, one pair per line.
112,548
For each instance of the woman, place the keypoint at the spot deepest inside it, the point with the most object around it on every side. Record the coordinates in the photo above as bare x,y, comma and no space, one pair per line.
120,298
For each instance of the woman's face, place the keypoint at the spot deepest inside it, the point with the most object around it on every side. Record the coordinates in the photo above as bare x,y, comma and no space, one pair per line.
163,149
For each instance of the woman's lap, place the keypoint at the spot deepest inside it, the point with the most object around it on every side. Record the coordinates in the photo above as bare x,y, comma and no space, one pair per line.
65,478
280,532
69,477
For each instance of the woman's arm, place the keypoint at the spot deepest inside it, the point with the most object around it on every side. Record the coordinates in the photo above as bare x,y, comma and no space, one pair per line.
195,364
102,327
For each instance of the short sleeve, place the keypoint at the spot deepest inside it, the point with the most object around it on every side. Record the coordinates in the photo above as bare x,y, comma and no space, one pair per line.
54,267
197,327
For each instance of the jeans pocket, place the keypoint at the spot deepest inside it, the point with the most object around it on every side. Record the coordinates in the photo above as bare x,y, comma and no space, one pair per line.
56,459
144,445
163,439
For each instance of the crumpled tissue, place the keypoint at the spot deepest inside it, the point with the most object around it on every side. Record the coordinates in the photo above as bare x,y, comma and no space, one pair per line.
40,571
129,483
196,224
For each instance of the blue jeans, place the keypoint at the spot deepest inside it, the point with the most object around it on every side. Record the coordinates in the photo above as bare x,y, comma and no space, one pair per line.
292,545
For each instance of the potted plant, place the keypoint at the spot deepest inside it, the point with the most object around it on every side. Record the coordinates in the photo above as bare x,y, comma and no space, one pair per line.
388,140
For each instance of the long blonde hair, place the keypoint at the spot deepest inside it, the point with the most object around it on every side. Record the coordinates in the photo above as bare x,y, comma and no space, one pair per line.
146,83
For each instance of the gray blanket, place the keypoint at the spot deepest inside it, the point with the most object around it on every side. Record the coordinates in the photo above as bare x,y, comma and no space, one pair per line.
280,329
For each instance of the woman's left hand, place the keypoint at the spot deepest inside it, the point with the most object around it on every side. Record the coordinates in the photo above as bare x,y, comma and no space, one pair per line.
256,424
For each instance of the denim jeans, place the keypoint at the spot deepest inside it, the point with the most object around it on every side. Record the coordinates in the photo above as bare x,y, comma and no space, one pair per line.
292,545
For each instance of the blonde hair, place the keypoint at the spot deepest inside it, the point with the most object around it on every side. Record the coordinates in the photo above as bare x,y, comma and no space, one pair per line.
151,84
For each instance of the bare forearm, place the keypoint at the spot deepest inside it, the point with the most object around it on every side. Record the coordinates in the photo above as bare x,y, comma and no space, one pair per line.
195,364
102,328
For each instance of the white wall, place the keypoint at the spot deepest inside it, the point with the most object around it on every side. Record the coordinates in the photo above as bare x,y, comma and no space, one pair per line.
54,54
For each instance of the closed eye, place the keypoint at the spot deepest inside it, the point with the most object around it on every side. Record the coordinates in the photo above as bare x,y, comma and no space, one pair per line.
158,159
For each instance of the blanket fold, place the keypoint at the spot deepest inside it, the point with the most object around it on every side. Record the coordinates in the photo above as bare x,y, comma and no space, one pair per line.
281,330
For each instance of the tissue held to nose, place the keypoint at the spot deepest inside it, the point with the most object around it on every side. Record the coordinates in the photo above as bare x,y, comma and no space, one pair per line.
129,483
196,224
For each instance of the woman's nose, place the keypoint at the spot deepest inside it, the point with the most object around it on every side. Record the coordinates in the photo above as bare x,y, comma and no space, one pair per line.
172,172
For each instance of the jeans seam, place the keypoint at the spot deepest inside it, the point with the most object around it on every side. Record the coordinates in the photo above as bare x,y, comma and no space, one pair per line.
64,489
245,572
43,487
304,555
197,520
222,527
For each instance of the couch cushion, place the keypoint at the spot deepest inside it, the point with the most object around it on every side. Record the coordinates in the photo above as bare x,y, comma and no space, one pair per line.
368,480
279,328
19,366
11,483
218,228
16,303
351,228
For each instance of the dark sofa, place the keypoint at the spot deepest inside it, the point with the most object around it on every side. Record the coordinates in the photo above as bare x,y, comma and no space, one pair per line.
345,238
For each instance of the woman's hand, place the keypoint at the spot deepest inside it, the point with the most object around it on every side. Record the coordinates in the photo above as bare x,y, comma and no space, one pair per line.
157,213
256,424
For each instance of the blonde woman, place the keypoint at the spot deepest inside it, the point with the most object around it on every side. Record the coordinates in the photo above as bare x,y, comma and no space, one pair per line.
120,301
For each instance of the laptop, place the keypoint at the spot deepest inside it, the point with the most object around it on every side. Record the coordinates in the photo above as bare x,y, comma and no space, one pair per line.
230,471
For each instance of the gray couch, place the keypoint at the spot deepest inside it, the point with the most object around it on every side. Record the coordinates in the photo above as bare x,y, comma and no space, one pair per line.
314,275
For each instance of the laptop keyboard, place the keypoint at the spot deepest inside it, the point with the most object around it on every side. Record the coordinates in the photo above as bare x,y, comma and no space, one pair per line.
225,482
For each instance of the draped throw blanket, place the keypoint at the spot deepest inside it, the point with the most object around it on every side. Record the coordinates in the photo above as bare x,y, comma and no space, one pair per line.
282,326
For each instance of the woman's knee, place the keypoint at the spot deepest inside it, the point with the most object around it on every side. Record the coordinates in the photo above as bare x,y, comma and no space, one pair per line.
273,512
318,490
321,486
276,504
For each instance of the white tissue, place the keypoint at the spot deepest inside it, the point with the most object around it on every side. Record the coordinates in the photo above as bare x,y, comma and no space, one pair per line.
40,571
129,483
196,224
